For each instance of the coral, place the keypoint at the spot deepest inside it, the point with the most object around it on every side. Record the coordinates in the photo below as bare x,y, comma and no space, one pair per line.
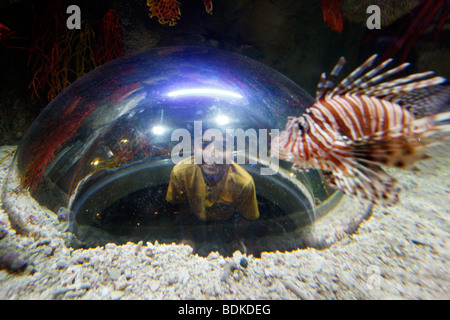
168,11
208,6
414,18
68,58
45,149
110,44
45,55
5,32
79,52
59,56
332,14
408,34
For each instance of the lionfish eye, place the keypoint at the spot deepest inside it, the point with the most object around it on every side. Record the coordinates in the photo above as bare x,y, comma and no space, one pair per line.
303,126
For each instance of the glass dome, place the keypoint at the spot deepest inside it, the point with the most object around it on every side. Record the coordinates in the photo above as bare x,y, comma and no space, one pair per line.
104,149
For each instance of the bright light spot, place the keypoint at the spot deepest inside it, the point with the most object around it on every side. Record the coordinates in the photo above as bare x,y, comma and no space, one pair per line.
110,153
222,120
158,130
124,140
95,163
207,92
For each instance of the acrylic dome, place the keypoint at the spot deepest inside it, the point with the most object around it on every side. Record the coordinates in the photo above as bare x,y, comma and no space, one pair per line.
103,149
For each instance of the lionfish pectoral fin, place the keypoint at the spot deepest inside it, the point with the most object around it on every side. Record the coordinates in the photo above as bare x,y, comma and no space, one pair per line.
330,179
402,146
398,153
368,182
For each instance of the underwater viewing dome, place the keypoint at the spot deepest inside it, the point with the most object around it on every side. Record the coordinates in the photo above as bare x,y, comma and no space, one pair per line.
103,150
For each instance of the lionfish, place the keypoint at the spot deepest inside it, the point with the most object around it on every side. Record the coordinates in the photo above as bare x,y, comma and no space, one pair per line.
366,122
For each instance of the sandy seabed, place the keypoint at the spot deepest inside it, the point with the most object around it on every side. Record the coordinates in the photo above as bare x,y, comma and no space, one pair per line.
401,252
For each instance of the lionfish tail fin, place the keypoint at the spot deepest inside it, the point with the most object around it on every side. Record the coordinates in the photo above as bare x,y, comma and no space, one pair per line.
426,101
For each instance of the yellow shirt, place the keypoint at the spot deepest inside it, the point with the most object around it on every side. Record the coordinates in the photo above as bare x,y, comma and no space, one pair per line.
234,192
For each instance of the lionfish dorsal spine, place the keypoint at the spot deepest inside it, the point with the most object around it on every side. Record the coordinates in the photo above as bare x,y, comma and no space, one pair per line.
326,83
400,81
371,83
368,79
403,85
338,67
321,86
352,77
374,80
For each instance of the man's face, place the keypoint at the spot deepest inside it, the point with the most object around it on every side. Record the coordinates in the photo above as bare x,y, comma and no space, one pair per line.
214,169
214,157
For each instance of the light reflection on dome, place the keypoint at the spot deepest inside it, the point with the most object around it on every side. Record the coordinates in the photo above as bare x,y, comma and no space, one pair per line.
205,92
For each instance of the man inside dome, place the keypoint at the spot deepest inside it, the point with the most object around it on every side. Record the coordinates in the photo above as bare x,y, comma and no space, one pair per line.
213,194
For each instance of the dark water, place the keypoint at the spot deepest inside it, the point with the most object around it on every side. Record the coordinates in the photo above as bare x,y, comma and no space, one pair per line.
148,210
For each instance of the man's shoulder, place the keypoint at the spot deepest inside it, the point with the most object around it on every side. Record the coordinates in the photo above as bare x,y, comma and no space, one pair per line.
185,165
241,175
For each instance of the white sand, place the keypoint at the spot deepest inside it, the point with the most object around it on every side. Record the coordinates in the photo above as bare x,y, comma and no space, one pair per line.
400,252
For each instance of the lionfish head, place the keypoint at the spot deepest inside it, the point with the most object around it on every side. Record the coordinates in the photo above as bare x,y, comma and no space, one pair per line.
284,145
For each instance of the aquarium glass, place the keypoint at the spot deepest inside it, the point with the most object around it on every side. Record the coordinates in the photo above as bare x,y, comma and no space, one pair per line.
105,147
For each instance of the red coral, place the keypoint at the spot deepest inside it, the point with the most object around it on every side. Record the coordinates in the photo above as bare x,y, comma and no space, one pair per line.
110,44
208,6
409,33
45,148
332,14
5,32
166,11
59,56
48,64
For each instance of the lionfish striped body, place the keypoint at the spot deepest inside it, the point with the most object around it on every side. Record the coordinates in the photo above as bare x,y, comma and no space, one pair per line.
356,127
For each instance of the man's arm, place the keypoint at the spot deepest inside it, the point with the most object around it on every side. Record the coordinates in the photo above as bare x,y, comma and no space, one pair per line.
248,204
